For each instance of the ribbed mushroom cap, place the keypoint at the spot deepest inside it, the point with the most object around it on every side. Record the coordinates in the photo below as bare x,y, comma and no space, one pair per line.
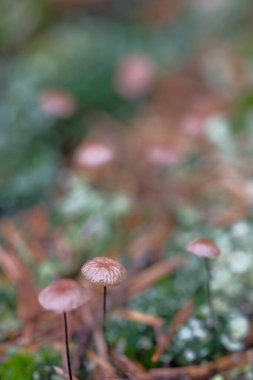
104,271
203,248
62,295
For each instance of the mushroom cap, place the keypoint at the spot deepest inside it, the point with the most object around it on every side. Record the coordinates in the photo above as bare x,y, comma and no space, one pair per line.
163,155
62,295
57,103
104,271
134,76
203,248
93,155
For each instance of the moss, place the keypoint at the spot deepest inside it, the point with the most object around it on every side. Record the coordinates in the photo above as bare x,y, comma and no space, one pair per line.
21,365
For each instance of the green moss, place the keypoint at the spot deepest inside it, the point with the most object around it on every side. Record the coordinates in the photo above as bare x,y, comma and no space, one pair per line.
20,366
29,366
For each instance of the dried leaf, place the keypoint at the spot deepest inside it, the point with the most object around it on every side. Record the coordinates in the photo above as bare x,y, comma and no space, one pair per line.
10,265
60,372
125,365
105,365
150,276
203,371
148,246
181,317
137,316
28,306
10,232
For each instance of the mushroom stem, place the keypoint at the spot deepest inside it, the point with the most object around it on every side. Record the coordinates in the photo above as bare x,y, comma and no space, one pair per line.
209,294
104,312
67,345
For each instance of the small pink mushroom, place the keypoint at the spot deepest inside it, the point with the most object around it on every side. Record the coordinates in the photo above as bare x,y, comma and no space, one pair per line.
93,155
163,155
104,271
203,248
134,76
63,296
206,249
57,103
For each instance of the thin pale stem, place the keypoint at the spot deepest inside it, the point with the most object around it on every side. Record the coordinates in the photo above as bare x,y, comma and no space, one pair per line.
209,294
67,345
213,325
104,312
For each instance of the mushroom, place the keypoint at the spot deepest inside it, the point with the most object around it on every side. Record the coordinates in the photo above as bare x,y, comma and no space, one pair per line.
104,271
63,296
208,250
93,155
134,76
163,155
57,103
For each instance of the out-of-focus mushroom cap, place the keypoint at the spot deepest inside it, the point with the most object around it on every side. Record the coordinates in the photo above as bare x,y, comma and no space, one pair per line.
62,295
134,76
57,103
104,271
93,155
163,155
203,248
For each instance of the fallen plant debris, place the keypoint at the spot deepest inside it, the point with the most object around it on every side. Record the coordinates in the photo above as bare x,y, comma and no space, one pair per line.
126,131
